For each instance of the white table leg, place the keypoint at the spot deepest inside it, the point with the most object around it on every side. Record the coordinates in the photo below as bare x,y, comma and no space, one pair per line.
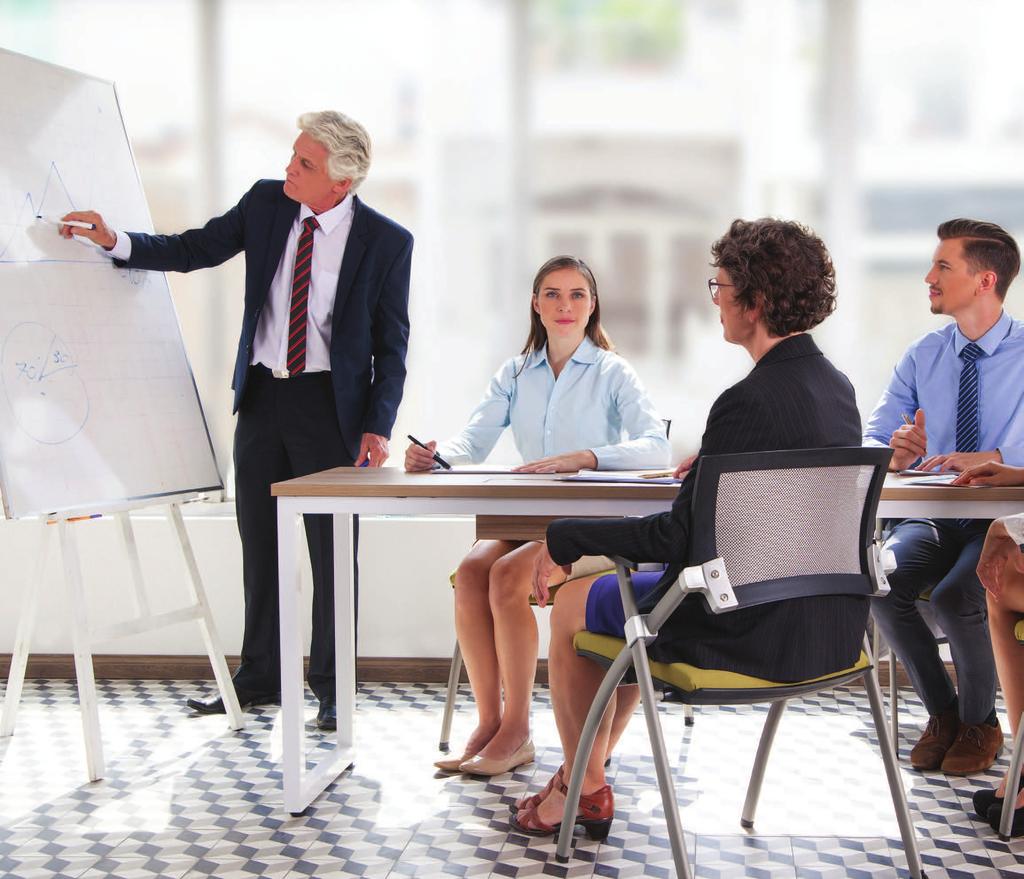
344,630
290,594
300,787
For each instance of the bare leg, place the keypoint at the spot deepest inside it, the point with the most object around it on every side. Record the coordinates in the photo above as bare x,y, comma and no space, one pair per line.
475,629
1002,617
574,682
515,644
626,700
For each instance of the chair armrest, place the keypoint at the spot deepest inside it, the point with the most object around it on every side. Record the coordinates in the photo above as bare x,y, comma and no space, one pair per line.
710,579
882,562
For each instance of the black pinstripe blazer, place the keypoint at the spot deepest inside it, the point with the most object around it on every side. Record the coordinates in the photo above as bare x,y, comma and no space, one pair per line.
793,398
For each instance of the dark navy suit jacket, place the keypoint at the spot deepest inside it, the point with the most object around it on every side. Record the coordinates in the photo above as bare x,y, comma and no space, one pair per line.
370,322
793,398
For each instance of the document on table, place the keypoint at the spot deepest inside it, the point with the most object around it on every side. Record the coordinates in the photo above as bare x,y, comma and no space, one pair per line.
935,479
477,470
642,477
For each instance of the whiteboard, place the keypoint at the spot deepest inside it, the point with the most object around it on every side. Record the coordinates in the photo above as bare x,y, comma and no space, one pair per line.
98,405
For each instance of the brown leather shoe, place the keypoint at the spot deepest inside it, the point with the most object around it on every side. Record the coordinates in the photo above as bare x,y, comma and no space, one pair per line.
975,749
936,740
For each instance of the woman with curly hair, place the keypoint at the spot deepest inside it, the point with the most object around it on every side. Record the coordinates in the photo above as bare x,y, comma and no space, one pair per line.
774,282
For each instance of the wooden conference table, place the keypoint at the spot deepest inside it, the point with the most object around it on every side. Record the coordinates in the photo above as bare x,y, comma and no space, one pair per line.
510,506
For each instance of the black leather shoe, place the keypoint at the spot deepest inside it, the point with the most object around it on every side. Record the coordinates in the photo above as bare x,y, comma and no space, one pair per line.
985,798
1017,825
327,716
246,699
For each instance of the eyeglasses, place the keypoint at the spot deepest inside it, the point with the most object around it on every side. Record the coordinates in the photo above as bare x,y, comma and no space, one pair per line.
713,287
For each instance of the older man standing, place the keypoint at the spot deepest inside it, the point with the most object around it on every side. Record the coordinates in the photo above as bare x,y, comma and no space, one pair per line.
320,366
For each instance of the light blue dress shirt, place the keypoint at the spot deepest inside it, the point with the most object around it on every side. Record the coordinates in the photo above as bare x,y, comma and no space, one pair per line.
928,377
596,403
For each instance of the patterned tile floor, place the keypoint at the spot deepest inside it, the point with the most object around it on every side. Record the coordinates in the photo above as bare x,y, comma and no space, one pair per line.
185,797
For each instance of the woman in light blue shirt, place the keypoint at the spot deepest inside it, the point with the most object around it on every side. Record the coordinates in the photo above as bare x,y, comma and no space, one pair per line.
572,404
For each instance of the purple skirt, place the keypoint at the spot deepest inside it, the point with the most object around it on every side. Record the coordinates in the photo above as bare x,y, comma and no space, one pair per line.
604,605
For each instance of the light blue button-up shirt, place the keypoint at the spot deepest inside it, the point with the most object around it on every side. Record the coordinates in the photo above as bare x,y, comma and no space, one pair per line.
596,403
928,377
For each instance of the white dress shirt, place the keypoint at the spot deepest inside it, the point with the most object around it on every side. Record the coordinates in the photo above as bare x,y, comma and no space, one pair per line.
270,347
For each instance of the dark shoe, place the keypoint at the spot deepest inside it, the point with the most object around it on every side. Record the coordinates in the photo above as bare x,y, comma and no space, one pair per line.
986,797
976,747
246,699
1016,827
594,816
938,737
327,716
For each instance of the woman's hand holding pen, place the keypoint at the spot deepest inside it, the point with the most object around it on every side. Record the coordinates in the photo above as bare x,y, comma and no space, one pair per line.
567,463
418,458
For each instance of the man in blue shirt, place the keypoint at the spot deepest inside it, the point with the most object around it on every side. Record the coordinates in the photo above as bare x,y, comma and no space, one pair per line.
956,399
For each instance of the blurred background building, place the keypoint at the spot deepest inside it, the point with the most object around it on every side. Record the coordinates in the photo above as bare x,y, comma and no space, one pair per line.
627,132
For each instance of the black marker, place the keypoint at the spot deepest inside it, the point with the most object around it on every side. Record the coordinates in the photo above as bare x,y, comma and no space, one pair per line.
437,457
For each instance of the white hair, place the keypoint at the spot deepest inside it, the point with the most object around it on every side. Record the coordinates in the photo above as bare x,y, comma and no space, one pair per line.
346,141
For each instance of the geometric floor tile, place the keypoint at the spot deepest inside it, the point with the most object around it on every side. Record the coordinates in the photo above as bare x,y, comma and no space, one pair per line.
184,797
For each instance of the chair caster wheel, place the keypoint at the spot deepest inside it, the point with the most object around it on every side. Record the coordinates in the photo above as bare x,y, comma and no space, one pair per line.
746,825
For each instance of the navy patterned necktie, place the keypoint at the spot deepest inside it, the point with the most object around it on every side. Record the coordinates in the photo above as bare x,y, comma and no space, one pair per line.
967,426
299,309
967,430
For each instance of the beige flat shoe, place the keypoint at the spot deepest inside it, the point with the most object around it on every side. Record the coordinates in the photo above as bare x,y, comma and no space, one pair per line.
452,764
479,765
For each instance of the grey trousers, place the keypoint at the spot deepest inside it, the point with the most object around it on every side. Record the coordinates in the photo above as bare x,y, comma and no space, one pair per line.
941,556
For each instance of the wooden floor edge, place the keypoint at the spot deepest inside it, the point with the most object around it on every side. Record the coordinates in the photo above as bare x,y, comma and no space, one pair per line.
416,670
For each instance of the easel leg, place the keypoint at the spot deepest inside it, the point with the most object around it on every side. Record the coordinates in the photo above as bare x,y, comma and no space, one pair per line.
83,657
131,550
23,639
211,638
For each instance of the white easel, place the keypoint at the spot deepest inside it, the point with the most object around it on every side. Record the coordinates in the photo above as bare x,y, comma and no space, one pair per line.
84,636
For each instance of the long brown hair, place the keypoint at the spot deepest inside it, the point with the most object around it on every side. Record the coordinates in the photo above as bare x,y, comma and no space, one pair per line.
538,336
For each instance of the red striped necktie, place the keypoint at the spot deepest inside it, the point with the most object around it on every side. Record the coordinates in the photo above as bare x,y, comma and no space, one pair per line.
299,311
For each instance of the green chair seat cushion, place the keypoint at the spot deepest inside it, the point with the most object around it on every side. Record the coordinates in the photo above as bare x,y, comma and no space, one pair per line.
1018,631
690,678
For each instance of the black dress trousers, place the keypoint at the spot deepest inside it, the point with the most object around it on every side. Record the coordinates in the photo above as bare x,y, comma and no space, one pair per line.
286,428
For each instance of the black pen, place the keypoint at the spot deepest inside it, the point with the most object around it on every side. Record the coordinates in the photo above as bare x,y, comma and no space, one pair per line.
437,457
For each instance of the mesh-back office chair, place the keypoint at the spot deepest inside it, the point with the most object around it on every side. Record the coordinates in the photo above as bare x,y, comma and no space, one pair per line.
455,669
766,527
1016,760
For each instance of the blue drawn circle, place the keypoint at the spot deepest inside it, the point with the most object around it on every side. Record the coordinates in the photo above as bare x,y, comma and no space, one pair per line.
41,380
